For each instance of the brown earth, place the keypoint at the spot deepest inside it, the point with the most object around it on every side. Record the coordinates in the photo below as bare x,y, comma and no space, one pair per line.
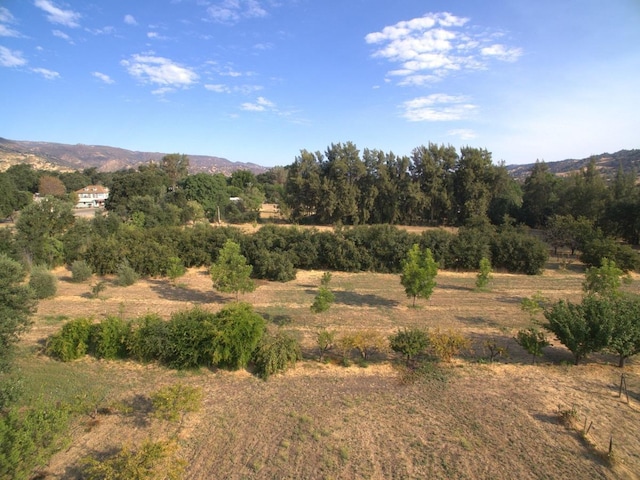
320,421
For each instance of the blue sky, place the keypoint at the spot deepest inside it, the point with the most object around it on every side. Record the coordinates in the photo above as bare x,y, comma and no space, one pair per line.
259,80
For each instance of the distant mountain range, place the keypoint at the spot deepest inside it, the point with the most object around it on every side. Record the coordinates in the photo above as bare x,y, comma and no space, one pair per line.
58,156
607,164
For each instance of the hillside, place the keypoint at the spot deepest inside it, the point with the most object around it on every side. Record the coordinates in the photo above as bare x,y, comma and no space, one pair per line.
58,156
607,163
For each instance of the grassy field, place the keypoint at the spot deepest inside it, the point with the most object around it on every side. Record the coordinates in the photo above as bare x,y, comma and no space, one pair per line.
467,419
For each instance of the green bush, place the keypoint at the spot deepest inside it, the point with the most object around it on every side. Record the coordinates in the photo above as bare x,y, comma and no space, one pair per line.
409,342
72,341
127,276
518,252
80,271
323,300
533,341
326,341
43,282
191,338
148,338
276,353
237,332
108,338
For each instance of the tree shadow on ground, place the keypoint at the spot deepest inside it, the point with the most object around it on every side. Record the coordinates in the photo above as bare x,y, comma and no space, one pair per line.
279,320
358,299
510,299
478,321
171,292
460,288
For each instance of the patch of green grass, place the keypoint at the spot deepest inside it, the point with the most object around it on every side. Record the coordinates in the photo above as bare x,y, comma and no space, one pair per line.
54,319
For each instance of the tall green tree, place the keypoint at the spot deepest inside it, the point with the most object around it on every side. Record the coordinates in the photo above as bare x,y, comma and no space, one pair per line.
231,273
17,303
539,195
625,336
303,185
473,183
418,273
210,191
176,167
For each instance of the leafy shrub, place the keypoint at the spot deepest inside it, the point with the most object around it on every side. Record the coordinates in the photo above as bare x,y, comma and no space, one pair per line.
275,266
72,341
175,268
409,342
148,338
191,338
109,337
152,461
484,275
533,341
28,436
444,345
237,331
596,249
323,300
43,282
171,402
80,271
127,276
518,252
367,341
326,341
605,280
276,353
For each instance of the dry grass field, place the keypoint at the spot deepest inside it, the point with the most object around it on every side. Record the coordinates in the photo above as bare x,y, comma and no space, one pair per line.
470,419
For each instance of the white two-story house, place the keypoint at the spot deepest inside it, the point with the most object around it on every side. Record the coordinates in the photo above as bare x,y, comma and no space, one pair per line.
92,196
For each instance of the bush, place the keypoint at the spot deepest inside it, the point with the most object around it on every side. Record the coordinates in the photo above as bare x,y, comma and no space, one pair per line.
409,342
484,275
533,341
43,282
72,341
237,332
108,338
624,256
126,274
367,341
80,271
518,252
276,353
148,338
175,268
191,338
171,402
323,300
326,340
445,345
152,461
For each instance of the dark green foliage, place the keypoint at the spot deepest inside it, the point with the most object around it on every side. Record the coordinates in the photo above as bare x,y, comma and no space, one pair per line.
275,266
72,341
80,271
190,341
126,275
533,341
231,273
109,338
625,335
439,241
76,240
276,353
604,247
583,328
28,436
409,342
323,300
470,245
518,252
484,275
43,283
104,254
148,339
175,268
237,332
17,303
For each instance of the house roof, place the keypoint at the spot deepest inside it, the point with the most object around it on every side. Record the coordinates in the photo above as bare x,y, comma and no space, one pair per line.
93,189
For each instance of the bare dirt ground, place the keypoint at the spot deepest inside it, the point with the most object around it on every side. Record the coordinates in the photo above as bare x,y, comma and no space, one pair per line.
322,421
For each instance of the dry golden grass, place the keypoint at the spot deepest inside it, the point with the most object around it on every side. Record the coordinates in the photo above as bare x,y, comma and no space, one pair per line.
327,421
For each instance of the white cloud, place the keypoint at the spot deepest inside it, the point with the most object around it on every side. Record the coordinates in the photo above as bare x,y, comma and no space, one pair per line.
160,71
260,105
5,18
232,11
102,76
48,74
429,48
130,20
62,35
11,58
242,89
463,133
218,88
437,107
68,18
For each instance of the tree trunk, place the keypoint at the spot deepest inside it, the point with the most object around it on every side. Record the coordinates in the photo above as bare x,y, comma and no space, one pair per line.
621,361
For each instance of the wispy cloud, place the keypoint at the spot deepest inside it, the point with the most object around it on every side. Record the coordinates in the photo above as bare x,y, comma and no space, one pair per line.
260,105
463,133
156,36
438,107
48,74
11,58
6,18
232,11
62,35
242,89
102,76
55,14
160,71
429,48
130,20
